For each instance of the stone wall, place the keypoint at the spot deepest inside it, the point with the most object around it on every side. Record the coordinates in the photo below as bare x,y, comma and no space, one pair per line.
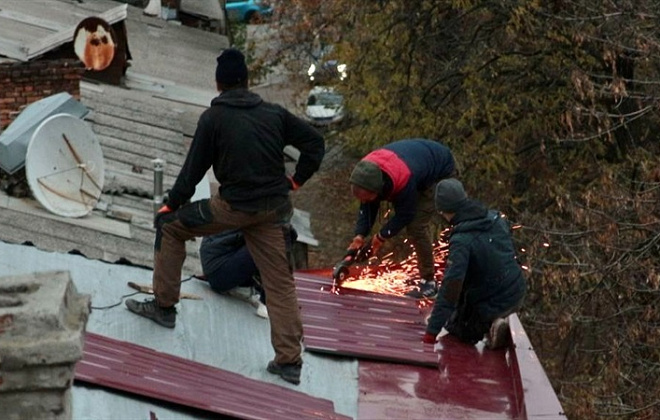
42,325
24,83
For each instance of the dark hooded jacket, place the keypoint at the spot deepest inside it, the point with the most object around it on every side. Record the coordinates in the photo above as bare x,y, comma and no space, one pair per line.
482,270
243,137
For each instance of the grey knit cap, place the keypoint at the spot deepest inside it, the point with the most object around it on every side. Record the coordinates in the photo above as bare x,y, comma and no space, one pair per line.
449,195
368,176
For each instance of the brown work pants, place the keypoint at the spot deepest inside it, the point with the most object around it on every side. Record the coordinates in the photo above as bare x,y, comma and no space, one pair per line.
264,233
418,231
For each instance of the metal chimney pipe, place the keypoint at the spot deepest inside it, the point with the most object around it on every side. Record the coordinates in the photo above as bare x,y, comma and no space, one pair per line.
159,164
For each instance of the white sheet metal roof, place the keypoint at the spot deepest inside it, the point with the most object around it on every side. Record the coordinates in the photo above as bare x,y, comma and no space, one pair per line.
218,330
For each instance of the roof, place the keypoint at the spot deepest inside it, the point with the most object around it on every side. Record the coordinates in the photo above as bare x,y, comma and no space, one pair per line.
29,29
218,331
225,334
137,124
154,118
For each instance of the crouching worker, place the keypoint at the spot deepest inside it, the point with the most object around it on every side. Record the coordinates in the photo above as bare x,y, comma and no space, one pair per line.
403,173
230,270
483,282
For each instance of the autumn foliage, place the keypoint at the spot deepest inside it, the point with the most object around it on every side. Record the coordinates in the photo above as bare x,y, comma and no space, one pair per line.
552,109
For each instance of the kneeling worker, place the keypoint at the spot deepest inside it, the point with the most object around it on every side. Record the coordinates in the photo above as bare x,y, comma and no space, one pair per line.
483,282
229,269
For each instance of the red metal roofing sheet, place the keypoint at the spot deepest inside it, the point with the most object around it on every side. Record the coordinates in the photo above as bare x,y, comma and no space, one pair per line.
471,384
361,324
143,371
465,381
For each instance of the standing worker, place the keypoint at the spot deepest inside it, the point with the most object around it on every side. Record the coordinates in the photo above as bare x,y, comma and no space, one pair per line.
403,172
483,282
242,137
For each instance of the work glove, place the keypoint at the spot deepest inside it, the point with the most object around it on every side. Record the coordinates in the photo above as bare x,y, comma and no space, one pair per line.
357,243
294,184
429,338
159,215
376,242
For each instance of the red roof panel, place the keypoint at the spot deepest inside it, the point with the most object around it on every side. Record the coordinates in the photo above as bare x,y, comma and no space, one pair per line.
143,371
361,324
461,380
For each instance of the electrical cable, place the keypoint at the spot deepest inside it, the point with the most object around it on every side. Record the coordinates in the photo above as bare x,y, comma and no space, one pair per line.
121,300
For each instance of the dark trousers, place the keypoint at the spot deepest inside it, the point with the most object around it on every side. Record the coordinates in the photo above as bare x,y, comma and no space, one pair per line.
418,231
265,236
468,325
238,270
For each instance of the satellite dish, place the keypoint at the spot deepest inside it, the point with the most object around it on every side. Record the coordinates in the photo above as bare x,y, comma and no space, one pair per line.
64,166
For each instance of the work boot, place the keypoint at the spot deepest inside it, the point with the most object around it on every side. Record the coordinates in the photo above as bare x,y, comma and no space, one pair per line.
288,372
150,309
498,335
426,289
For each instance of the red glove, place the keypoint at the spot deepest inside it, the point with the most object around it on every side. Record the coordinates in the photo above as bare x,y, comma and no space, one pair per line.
358,242
428,338
294,184
376,242
161,212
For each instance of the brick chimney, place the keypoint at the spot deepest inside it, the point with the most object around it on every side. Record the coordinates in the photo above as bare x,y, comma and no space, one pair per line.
42,325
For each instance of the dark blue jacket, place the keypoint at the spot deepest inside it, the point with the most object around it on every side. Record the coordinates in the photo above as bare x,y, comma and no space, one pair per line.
409,166
482,270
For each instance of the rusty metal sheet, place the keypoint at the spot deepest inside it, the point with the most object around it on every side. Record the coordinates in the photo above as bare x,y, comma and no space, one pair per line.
143,371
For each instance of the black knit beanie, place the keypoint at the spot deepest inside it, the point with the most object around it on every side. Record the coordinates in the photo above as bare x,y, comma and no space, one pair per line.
231,67
367,175
449,195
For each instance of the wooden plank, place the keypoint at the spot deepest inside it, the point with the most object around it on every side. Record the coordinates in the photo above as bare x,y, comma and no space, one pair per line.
91,221
35,23
58,236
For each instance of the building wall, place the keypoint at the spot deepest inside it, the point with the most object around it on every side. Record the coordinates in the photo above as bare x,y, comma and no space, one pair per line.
24,83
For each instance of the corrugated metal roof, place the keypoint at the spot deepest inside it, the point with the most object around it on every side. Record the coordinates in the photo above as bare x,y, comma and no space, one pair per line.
140,370
468,382
367,325
460,380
